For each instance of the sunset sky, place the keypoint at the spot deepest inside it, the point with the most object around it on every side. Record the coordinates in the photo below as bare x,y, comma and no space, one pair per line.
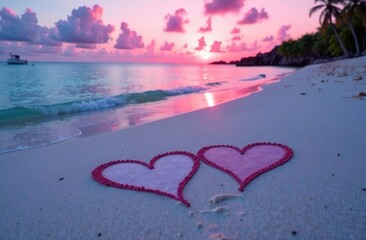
196,31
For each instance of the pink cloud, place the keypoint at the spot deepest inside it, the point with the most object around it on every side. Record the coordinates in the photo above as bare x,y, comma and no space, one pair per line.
208,28
27,49
216,47
43,49
167,46
254,46
235,31
151,46
253,16
84,26
128,39
268,39
237,48
223,6
102,52
70,51
243,47
5,47
201,44
236,38
175,23
86,45
282,33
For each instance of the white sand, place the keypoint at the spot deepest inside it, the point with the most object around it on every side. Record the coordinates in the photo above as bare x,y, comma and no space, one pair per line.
319,194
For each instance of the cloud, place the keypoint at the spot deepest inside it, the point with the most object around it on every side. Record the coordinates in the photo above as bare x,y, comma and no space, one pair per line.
40,49
175,23
15,28
84,26
236,38
201,44
6,47
150,50
282,33
86,45
223,6
242,47
237,48
151,46
128,39
70,51
268,39
216,47
45,37
253,16
254,46
27,49
167,46
208,28
25,28
235,30
13,47
103,52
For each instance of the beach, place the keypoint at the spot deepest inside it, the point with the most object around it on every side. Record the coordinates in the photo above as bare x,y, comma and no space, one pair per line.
320,193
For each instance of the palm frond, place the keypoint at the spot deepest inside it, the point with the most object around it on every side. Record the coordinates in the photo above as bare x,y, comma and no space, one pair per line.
315,9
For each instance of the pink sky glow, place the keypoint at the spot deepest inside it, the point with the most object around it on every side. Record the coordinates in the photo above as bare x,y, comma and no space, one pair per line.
190,31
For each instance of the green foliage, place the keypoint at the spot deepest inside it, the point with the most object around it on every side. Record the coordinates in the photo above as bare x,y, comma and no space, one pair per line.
347,38
320,48
332,39
306,44
334,49
289,49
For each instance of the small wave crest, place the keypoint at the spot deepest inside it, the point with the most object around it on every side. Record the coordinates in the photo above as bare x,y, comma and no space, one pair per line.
27,137
35,113
184,90
260,76
18,114
214,84
78,106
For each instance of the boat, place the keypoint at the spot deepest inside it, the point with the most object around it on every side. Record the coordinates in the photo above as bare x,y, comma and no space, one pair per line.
15,59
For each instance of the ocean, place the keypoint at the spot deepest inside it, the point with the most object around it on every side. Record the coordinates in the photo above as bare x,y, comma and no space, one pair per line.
47,103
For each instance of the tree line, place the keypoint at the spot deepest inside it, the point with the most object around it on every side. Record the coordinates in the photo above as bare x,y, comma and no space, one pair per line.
342,32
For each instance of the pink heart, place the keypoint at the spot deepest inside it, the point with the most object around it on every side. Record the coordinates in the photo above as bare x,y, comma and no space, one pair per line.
247,163
166,174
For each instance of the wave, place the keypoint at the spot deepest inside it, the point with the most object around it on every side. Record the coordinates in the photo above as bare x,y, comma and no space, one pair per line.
35,113
213,84
260,76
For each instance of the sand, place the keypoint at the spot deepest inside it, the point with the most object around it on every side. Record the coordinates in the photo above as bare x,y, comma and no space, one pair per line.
48,192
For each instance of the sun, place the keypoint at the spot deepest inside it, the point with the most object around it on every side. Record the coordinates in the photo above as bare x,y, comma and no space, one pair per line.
205,55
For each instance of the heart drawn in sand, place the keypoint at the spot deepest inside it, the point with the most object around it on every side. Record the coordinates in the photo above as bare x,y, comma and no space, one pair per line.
166,174
247,163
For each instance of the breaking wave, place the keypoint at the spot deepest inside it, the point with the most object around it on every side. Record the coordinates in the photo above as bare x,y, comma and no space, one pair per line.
39,112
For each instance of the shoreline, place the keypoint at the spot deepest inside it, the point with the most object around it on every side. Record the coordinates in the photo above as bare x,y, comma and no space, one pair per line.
48,192
26,127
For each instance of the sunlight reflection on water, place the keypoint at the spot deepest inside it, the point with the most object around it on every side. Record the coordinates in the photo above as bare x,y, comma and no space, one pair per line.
58,85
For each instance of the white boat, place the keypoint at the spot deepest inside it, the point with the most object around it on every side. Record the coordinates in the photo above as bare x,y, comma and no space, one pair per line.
15,59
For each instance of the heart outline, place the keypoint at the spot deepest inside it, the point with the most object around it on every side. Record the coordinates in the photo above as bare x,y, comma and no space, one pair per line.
243,183
97,175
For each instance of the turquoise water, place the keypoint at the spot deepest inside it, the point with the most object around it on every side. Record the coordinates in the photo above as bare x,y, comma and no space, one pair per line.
46,103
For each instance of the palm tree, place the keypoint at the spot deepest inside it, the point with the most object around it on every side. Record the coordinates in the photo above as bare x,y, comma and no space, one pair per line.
329,11
352,8
360,11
